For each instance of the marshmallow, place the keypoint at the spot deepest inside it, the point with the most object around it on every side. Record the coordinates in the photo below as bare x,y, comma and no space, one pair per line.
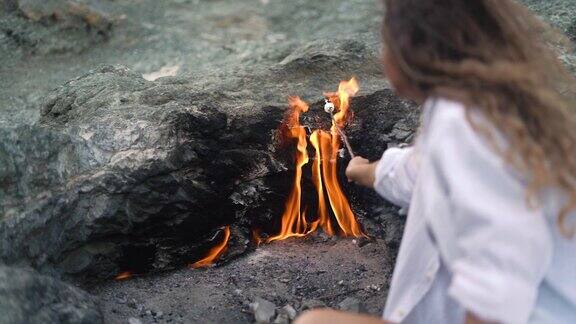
329,107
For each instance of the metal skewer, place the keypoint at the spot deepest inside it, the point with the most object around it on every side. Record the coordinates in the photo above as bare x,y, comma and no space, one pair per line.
329,108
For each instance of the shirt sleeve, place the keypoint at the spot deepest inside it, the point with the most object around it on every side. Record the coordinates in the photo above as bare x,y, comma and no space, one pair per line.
396,174
503,246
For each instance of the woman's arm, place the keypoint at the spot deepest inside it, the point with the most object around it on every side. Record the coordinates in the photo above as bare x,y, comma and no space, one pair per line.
362,172
393,176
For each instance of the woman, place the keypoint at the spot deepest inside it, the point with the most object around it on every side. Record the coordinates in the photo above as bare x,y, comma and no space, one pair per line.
490,183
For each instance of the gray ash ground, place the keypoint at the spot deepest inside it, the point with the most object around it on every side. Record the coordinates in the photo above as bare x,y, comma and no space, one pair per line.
302,273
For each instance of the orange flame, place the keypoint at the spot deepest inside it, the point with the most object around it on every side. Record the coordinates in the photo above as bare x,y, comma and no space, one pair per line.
329,144
341,99
323,217
294,220
124,275
215,252
324,172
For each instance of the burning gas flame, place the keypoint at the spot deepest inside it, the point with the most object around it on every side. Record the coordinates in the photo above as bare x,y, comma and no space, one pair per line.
124,275
329,145
294,219
215,252
323,216
294,222
341,99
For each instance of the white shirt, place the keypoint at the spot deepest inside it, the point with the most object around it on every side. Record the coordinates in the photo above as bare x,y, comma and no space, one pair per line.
471,243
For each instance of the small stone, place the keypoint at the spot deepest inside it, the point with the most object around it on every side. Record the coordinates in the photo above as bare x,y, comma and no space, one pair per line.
148,312
362,241
263,311
323,237
238,292
121,298
311,304
350,304
281,319
134,320
159,314
373,288
289,311
132,303
341,283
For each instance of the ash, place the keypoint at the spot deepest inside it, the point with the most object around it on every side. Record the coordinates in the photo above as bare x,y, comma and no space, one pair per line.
299,274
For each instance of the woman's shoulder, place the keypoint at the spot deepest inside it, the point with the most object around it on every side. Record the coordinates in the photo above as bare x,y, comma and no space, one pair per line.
439,110
448,122
443,117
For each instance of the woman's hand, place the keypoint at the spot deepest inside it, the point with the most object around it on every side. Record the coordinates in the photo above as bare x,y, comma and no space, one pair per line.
361,171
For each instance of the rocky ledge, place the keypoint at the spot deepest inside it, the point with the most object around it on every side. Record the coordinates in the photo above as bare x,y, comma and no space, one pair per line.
123,173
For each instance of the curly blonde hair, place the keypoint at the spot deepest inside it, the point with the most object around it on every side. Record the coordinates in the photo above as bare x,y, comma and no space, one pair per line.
495,56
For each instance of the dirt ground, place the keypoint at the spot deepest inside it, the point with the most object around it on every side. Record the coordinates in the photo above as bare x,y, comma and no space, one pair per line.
297,272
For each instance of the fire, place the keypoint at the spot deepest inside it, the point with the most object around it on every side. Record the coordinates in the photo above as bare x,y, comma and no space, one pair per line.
124,275
323,217
215,252
294,221
346,90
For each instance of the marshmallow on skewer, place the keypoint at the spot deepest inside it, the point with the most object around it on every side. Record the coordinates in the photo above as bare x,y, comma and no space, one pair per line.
329,106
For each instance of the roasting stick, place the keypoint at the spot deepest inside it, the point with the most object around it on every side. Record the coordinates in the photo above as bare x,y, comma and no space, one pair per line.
329,108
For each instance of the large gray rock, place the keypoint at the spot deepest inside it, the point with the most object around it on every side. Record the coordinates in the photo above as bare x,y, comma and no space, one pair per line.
126,174
112,158
29,298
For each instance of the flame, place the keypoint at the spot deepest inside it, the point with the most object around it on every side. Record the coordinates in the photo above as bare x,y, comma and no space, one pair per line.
341,99
323,217
294,222
329,144
124,275
215,252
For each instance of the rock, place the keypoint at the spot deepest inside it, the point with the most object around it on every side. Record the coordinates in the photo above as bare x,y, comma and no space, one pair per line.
103,168
134,320
28,297
71,13
121,298
122,174
281,319
55,26
363,241
312,304
132,303
289,311
350,304
263,311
